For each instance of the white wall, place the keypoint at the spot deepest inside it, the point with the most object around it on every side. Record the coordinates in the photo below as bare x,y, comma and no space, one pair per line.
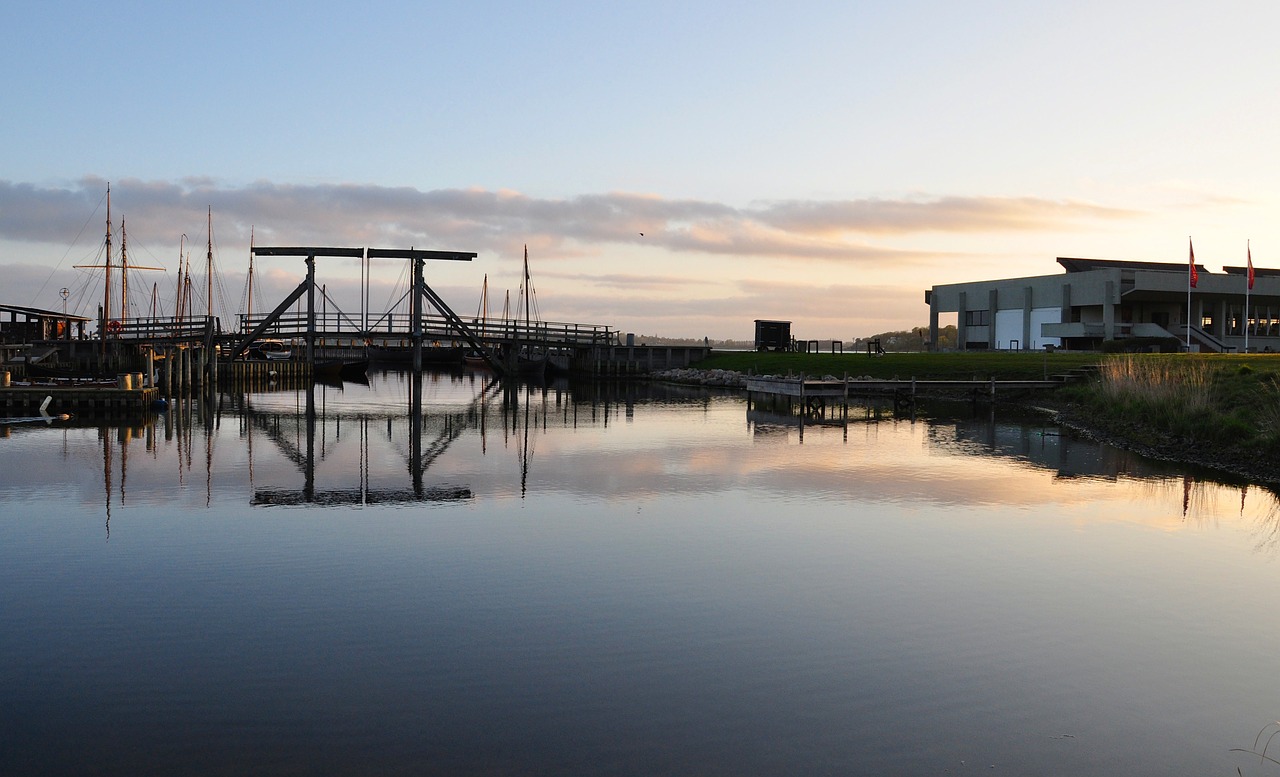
1008,329
1044,316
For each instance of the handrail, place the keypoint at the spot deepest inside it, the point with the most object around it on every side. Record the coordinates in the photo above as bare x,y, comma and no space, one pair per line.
437,327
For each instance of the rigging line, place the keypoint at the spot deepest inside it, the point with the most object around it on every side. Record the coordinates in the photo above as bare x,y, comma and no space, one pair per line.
324,293
390,309
217,273
404,271
58,266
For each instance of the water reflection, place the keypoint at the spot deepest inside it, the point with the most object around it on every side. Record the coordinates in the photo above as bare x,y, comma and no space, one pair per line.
454,437
613,578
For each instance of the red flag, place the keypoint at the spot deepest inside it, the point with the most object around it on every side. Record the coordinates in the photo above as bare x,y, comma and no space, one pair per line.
1250,252
1194,276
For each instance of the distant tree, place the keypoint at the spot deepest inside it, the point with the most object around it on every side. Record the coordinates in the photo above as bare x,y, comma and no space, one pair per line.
914,339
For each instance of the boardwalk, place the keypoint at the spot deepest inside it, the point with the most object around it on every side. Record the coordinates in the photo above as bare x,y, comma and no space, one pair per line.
843,389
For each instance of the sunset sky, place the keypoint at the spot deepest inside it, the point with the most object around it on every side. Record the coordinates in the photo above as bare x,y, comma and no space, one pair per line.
821,162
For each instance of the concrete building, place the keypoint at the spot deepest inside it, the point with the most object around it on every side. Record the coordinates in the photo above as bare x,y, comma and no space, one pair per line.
1097,300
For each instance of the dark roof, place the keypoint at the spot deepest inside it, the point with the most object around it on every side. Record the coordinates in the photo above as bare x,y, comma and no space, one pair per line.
1257,271
43,313
1085,265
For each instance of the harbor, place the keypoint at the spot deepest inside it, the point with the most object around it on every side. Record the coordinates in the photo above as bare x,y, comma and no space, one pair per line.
463,551
127,363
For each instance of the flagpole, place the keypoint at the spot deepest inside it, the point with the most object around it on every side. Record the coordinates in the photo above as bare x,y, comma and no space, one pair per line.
1190,272
1248,284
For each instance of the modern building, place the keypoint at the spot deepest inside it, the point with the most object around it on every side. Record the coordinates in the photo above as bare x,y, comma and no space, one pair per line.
1098,300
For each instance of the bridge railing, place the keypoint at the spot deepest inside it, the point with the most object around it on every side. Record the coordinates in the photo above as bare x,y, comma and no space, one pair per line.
162,328
436,327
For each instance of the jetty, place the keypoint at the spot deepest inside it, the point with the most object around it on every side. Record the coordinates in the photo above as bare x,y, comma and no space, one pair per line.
814,395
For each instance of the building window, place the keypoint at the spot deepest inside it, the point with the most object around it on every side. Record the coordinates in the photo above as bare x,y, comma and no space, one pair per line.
977,318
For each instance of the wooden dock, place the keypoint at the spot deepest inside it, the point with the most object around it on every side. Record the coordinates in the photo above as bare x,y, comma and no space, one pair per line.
811,392
94,400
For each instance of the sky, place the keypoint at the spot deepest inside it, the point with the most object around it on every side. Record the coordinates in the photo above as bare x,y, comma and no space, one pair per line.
675,168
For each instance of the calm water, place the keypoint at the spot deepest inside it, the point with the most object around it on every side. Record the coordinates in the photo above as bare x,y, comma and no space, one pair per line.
620,581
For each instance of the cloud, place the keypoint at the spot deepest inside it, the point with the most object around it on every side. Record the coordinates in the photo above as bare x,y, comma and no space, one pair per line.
481,220
946,214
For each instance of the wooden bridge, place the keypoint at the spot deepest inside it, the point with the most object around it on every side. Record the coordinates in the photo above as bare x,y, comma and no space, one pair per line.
311,320
495,342
299,317
433,327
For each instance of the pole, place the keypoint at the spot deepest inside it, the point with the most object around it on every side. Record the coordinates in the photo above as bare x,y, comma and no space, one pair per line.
1248,283
106,296
1190,272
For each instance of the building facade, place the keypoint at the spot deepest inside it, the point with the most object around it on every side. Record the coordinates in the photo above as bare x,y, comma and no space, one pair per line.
1098,300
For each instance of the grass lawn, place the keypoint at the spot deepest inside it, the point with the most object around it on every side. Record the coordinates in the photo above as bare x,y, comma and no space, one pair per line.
1002,365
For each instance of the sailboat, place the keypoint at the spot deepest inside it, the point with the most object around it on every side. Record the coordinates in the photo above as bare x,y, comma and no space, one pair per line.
473,358
529,363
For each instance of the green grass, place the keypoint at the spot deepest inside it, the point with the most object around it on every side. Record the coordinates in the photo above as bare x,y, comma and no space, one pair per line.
923,366
1226,404
1205,407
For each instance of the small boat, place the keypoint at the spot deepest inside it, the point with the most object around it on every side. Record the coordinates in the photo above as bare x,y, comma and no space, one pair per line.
476,360
532,366
271,350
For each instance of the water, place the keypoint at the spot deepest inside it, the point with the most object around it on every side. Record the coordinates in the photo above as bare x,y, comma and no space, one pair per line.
620,580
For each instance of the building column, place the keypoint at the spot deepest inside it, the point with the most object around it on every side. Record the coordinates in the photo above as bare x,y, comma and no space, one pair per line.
1026,319
1109,313
933,321
962,327
992,307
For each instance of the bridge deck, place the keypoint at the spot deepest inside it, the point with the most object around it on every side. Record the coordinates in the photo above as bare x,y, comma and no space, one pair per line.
438,327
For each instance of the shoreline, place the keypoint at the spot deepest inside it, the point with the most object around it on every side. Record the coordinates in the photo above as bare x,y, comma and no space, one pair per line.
1232,463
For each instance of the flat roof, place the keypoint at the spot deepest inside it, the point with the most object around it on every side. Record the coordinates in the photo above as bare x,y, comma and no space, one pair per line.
40,313
1085,265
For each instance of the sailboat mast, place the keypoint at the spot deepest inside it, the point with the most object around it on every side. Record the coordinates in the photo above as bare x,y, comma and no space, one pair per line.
248,324
209,263
124,274
106,296
178,302
526,288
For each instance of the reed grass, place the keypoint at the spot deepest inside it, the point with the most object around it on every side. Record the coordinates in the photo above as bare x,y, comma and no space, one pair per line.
1172,385
1190,400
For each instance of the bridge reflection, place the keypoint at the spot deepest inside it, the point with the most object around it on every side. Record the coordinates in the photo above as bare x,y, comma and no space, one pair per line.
308,438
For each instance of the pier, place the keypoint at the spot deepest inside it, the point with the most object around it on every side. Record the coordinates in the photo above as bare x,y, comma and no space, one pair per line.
813,395
77,400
